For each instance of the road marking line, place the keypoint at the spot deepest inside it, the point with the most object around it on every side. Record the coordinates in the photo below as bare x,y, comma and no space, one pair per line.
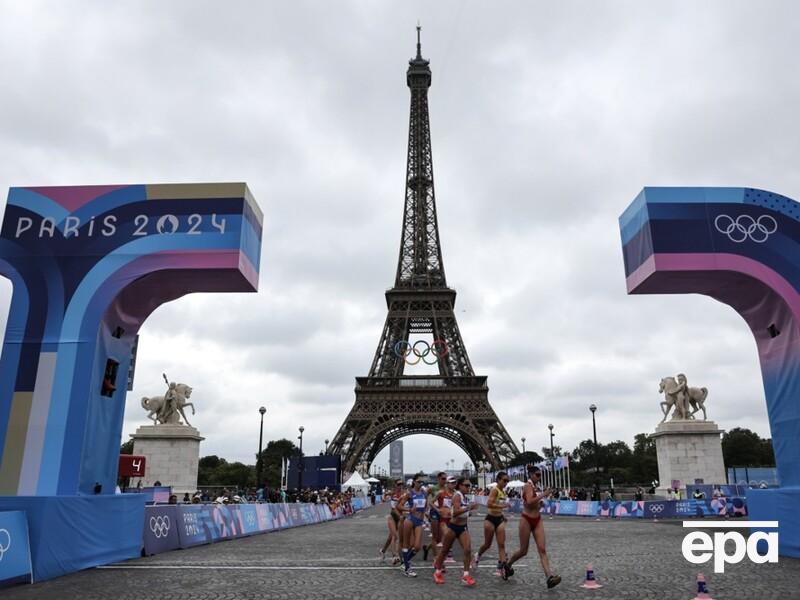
269,568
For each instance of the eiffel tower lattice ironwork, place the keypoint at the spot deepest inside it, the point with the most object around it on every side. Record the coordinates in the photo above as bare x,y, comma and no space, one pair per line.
390,405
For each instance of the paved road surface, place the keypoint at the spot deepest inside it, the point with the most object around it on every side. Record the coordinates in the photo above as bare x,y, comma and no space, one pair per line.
633,559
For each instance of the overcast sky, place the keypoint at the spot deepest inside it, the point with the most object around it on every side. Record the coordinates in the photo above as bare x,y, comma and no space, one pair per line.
547,120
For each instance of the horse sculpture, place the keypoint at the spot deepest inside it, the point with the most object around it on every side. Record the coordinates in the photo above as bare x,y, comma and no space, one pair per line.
679,395
168,409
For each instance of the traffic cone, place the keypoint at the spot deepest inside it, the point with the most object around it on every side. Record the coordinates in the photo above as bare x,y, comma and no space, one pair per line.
702,589
591,582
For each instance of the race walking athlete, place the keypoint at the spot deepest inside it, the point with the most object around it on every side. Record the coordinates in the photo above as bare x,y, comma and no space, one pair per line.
531,524
416,501
435,517
495,523
393,521
457,530
444,504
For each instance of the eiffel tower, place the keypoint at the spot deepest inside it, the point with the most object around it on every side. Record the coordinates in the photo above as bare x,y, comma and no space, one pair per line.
390,405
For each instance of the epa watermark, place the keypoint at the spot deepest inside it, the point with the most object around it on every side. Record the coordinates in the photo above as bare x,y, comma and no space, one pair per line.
699,547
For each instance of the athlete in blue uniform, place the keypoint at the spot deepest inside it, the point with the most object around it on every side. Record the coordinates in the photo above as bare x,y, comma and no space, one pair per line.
457,530
417,501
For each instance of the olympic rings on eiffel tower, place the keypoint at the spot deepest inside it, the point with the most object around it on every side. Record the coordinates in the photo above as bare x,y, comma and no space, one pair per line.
438,349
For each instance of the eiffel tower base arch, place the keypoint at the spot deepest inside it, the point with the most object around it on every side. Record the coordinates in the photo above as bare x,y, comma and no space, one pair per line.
454,408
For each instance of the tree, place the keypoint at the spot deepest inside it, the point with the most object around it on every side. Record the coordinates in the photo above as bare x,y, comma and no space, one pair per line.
528,457
645,462
767,453
644,444
583,454
213,470
234,474
126,448
617,455
272,457
548,454
742,447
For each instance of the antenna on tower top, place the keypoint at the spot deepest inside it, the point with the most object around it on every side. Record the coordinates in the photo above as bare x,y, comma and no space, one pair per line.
419,44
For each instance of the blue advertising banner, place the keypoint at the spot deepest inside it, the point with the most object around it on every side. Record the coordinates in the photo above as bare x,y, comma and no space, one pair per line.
309,514
294,514
567,507
161,524
588,508
359,503
711,508
264,517
196,525
248,519
629,508
226,518
280,516
15,553
663,509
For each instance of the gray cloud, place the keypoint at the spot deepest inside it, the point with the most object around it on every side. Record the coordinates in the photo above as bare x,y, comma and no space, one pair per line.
547,120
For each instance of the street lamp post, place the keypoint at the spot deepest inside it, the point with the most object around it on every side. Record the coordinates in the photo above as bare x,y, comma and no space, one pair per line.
523,445
259,462
300,465
593,408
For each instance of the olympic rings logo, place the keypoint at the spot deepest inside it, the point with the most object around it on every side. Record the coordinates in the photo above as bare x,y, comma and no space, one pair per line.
159,526
5,542
405,349
656,508
745,227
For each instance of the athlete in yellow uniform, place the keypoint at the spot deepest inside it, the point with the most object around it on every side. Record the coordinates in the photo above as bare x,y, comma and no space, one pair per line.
495,523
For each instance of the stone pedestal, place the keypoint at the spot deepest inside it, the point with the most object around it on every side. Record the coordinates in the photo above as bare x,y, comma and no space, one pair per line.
172,453
688,450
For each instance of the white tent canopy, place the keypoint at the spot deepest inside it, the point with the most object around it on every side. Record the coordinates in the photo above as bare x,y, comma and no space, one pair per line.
373,480
356,482
515,484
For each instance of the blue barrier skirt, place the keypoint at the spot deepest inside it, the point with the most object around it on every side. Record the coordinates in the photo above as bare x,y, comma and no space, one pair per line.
15,553
70,533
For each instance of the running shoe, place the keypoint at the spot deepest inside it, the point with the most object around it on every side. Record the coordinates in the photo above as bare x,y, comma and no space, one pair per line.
468,580
438,577
395,560
409,572
382,555
475,560
553,581
507,571
498,572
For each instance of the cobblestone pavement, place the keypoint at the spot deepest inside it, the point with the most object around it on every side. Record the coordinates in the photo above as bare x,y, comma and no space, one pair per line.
633,559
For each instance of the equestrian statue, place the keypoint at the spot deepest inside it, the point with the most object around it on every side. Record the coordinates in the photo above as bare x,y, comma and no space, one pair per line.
168,409
678,395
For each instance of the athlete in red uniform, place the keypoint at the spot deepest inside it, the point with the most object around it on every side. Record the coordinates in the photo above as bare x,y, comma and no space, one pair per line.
531,524
394,520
